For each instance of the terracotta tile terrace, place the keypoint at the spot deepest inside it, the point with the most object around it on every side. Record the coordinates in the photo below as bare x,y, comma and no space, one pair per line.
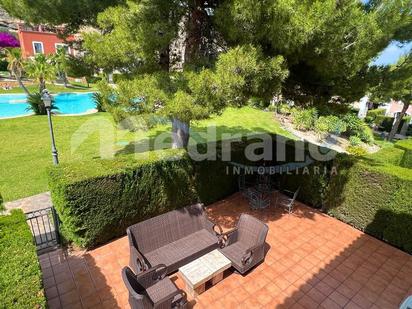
312,261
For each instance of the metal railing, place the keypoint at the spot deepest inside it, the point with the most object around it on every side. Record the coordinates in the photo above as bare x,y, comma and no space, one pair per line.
44,225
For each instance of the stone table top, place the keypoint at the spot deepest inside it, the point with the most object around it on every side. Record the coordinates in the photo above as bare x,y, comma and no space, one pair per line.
204,268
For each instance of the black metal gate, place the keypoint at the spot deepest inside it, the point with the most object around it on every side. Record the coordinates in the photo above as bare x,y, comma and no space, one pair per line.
44,225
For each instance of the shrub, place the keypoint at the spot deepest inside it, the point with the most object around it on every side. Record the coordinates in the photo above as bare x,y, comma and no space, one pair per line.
355,141
357,127
373,114
36,104
374,198
258,102
322,125
20,275
284,109
336,125
96,201
329,124
99,101
365,134
357,151
304,119
385,123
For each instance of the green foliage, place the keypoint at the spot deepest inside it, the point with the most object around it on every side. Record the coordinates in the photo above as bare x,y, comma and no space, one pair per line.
357,151
330,43
71,13
99,101
260,103
36,104
304,118
330,124
395,81
284,109
1,203
388,155
356,127
385,123
15,61
244,71
96,201
373,114
240,73
374,198
354,140
140,31
78,67
322,125
20,275
406,146
41,69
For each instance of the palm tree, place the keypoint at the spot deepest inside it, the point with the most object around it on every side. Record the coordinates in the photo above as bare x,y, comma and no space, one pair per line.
15,65
60,61
41,69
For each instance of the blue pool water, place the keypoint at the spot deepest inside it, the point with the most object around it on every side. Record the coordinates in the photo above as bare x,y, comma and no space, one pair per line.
13,105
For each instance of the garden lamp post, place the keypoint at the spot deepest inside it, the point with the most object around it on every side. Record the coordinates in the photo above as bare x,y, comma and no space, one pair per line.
47,100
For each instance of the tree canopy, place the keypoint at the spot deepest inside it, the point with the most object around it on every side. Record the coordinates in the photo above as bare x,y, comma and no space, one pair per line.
187,59
395,82
73,13
328,44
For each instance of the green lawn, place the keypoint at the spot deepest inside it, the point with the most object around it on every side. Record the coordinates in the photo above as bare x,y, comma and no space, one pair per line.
25,142
75,87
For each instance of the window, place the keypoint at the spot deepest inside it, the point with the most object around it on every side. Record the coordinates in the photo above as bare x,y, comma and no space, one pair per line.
38,48
62,46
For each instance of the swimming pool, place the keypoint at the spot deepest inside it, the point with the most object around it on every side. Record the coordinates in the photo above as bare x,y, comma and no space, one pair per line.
15,105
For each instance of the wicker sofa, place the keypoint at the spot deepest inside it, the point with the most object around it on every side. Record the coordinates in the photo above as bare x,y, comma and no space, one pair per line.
173,239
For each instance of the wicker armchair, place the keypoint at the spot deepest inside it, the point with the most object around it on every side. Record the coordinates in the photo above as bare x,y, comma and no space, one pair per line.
244,246
152,289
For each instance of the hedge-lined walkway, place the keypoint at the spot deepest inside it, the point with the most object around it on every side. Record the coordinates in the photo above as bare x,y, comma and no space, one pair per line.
31,203
313,261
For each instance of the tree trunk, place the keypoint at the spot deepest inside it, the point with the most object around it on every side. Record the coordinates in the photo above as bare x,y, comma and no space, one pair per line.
398,121
65,79
194,31
42,84
164,59
20,82
180,133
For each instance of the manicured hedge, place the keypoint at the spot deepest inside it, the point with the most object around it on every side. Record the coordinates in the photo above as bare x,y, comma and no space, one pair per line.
96,201
386,123
375,198
20,275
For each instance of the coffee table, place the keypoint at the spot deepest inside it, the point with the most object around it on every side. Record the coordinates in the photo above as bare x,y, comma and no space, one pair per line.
209,267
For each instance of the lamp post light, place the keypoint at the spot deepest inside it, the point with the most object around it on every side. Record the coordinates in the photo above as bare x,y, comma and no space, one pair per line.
47,100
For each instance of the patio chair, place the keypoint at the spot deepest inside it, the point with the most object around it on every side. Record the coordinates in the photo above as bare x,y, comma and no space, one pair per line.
152,289
258,199
289,202
244,246
244,185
